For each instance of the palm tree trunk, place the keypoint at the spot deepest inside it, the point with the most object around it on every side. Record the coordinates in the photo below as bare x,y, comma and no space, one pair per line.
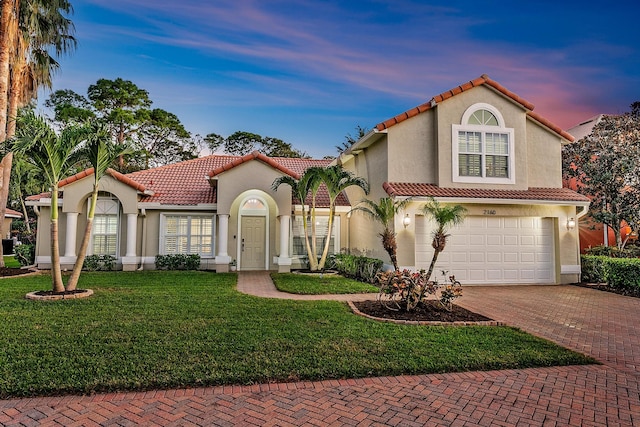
389,244
8,24
5,175
56,272
325,251
72,283
25,214
14,97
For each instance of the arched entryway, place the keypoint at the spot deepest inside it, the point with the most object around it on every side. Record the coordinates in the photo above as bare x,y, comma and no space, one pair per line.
253,232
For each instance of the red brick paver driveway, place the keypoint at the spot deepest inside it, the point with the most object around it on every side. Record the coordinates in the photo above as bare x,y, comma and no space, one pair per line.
600,324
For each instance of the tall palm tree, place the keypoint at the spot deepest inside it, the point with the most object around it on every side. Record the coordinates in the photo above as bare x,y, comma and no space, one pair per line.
301,188
100,153
445,217
337,179
384,212
53,155
28,29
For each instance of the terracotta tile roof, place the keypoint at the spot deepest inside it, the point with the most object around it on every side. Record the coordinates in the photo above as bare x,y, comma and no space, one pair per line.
13,214
482,80
256,155
185,183
406,189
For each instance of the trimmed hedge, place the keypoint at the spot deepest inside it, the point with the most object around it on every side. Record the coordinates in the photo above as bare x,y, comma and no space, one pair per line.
619,273
178,262
357,267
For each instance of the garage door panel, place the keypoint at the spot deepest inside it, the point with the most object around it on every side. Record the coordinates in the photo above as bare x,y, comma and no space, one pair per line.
493,250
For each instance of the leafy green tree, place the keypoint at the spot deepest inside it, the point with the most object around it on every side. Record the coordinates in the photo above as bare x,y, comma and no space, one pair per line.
100,153
157,137
606,167
384,212
53,155
336,179
240,143
445,217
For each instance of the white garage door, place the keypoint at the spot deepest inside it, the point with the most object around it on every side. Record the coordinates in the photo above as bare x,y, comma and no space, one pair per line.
492,250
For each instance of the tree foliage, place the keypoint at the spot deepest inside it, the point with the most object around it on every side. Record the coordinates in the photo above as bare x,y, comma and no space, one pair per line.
335,180
605,166
240,143
384,212
351,139
157,137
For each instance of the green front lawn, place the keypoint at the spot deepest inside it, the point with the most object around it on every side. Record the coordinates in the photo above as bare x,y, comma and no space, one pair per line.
11,262
316,285
146,330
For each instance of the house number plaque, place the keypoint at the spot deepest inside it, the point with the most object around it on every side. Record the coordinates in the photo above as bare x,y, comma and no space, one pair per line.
489,211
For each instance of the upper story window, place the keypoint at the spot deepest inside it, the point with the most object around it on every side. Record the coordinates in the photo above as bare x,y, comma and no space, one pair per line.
482,147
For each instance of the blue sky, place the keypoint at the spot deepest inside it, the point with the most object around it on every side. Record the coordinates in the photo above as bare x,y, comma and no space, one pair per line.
308,72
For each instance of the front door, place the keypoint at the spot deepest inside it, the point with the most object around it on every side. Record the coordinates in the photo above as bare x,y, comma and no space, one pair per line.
252,243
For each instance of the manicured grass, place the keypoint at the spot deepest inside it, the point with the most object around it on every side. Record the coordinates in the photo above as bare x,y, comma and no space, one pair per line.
11,262
315,285
146,330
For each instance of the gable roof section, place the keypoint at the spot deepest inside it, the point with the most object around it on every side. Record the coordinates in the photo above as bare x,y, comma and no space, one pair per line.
256,155
12,214
406,189
482,80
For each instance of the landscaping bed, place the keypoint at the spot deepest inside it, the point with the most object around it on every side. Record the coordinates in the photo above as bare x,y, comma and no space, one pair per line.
428,311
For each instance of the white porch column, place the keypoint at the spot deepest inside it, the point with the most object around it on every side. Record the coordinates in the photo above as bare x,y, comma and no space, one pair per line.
130,260
70,236
132,232
284,261
222,258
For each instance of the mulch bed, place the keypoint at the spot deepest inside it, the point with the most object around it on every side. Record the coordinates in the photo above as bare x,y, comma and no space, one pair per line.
429,311
63,293
8,272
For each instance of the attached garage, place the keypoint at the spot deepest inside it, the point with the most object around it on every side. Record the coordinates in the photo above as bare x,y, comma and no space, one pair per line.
492,249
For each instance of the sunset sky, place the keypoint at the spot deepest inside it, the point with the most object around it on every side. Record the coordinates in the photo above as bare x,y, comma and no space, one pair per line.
308,72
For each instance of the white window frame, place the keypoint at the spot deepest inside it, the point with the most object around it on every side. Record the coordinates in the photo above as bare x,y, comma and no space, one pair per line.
163,232
105,206
483,130
336,237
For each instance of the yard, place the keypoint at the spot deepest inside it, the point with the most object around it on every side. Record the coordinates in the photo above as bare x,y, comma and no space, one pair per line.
146,330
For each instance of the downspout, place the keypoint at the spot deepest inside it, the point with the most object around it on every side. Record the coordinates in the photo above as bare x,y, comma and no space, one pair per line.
143,248
582,213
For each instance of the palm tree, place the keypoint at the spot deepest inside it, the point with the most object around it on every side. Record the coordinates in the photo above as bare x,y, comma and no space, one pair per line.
100,153
307,183
28,29
337,179
53,155
384,212
445,217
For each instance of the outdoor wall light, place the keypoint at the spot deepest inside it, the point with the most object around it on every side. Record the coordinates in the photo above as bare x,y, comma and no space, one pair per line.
406,221
571,223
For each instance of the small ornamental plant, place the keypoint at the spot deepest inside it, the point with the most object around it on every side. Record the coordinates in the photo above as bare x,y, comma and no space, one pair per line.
406,289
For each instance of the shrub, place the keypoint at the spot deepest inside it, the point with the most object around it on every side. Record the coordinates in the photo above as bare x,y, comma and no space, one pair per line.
623,274
630,251
25,254
594,268
178,262
99,263
406,289
357,267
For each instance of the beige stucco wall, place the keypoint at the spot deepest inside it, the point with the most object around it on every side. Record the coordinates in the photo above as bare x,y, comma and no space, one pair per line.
545,157
411,150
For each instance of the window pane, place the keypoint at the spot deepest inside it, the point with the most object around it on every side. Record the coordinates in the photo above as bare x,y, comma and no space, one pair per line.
469,142
497,143
483,117
188,235
497,166
469,165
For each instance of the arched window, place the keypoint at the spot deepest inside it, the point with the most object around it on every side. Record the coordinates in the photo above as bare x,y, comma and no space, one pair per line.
482,147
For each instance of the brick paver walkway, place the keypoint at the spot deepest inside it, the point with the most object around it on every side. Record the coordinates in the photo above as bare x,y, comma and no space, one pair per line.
600,324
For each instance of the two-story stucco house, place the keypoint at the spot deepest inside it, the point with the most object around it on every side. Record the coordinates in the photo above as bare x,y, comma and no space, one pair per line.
478,145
